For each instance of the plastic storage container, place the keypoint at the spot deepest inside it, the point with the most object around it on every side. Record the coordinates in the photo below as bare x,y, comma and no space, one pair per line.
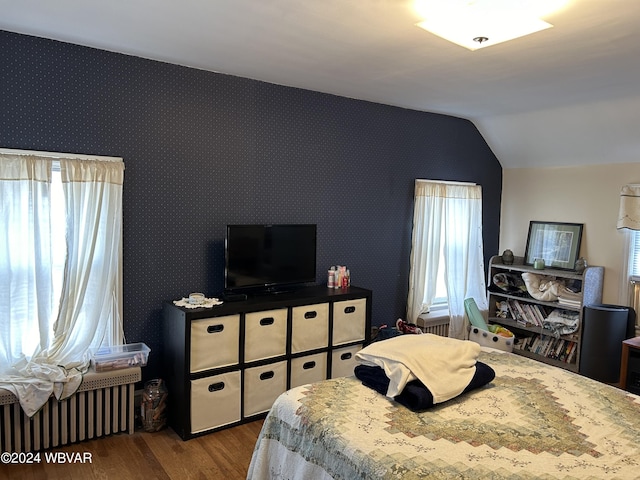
119,356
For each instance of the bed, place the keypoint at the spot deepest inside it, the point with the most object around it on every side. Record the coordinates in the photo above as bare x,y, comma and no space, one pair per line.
532,421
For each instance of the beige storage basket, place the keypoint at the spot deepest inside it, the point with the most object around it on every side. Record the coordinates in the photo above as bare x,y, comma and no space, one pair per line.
265,334
309,327
262,385
308,369
343,361
214,342
215,401
349,321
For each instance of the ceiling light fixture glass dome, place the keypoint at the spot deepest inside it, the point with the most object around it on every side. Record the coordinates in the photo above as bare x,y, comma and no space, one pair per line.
462,21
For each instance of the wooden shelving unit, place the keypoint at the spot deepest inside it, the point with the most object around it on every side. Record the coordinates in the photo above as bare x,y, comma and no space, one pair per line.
536,341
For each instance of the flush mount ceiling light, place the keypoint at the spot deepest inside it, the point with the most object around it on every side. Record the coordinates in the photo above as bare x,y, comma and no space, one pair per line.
476,24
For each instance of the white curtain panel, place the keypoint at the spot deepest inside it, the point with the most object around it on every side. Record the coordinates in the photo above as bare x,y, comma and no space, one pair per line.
25,257
453,212
463,253
88,315
428,212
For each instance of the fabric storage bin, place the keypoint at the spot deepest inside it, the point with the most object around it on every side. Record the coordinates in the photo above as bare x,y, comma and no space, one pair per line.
349,321
309,327
214,342
308,369
215,401
343,361
265,334
487,339
262,385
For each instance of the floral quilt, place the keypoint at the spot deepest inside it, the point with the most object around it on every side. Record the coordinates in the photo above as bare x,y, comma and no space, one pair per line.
532,421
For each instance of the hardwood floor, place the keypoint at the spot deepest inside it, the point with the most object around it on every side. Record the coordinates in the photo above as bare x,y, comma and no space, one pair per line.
148,456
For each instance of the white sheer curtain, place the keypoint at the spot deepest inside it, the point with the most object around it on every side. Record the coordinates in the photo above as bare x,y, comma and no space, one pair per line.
449,212
25,257
88,315
428,212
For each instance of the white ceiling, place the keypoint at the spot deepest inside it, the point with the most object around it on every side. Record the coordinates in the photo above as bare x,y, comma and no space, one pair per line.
564,96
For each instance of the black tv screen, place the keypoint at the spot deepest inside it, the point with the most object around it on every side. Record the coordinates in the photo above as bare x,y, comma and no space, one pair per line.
269,256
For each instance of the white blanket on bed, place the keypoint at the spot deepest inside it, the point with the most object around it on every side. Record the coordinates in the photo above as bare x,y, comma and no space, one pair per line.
444,365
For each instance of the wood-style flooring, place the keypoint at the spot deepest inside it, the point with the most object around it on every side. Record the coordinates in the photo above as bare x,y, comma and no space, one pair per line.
148,456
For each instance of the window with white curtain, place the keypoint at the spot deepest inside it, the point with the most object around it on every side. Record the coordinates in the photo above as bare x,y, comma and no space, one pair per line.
447,260
440,300
629,223
60,269
634,253
630,291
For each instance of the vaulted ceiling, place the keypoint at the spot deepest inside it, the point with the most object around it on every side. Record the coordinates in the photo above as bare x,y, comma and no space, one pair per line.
568,95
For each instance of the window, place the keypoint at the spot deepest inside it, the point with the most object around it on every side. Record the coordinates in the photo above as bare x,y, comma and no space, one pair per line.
440,300
634,253
631,282
60,257
447,263
629,223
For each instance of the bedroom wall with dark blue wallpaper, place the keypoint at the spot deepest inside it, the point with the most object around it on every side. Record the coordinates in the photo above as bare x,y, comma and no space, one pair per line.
203,150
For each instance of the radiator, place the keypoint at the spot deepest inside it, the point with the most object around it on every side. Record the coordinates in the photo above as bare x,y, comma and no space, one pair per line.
437,326
104,404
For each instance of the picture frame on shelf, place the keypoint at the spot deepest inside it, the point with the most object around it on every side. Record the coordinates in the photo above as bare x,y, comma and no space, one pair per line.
557,243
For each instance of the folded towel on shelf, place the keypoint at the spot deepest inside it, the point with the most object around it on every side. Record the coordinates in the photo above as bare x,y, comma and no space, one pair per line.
562,322
569,302
548,288
444,365
415,396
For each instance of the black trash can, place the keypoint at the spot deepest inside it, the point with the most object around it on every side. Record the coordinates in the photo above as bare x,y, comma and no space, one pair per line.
604,327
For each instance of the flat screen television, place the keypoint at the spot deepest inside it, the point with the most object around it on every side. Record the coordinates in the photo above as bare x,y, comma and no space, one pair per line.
269,257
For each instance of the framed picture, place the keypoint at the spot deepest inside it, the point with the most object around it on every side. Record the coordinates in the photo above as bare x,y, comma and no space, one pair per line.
557,243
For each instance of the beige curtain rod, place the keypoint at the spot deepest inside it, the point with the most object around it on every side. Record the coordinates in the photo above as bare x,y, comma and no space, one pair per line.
79,156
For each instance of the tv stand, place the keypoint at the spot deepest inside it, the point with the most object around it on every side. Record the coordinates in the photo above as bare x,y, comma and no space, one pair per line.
225,365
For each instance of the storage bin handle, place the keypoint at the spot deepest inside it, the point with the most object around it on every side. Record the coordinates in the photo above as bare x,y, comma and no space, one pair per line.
216,387
308,365
266,321
267,375
349,309
312,314
215,328
345,356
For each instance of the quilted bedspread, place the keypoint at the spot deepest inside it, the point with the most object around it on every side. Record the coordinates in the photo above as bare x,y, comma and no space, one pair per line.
532,421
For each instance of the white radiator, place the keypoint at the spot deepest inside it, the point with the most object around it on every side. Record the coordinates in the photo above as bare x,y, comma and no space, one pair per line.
436,326
104,404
